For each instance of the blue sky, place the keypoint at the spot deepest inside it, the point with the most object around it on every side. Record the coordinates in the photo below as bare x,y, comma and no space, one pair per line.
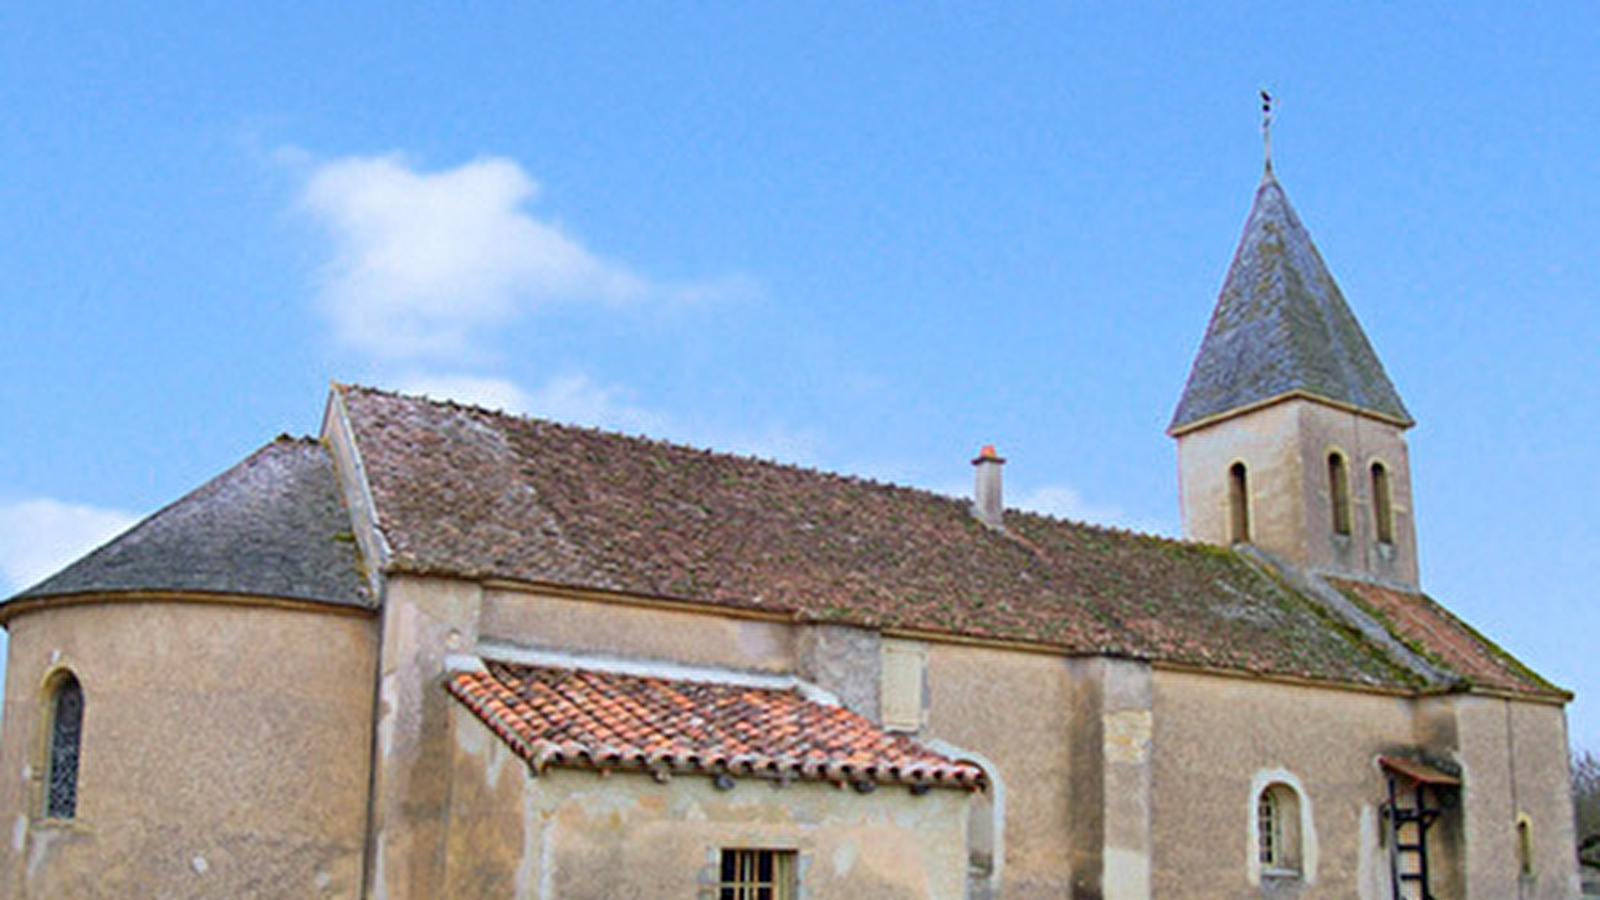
862,237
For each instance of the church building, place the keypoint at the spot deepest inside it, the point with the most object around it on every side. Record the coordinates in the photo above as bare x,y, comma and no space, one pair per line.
444,652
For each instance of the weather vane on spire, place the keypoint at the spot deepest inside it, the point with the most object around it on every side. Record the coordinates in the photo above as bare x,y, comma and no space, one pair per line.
1266,125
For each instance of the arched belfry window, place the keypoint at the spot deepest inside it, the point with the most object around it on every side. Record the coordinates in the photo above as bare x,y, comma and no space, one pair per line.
65,747
1382,504
1238,504
1524,844
1339,492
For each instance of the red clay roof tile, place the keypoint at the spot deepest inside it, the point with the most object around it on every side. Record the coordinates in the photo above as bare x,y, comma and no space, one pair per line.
606,720
1446,640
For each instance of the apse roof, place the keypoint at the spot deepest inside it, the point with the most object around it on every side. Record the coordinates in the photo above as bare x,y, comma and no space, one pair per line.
272,526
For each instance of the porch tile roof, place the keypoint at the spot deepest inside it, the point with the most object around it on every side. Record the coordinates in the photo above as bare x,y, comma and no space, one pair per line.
606,720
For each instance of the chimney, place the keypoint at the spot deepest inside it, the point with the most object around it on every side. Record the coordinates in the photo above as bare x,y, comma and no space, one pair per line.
987,503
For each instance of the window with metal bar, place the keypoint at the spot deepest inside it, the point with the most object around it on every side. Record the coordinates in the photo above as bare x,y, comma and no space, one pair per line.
1278,831
66,741
749,874
1269,831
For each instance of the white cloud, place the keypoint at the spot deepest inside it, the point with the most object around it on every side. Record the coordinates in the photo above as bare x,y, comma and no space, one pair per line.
424,262
774,442
40,537
489,393
1067,502
565,398
427,268
578,399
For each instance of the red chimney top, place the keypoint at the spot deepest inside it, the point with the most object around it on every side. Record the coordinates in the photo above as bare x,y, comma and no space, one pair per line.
987,454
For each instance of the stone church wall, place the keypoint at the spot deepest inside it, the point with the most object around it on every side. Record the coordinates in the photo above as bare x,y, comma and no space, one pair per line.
224,751
1017,711
1219,741
530,618
1513,757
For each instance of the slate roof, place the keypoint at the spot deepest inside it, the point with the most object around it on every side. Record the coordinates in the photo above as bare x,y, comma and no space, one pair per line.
274,525
1281,326
472,493
605,720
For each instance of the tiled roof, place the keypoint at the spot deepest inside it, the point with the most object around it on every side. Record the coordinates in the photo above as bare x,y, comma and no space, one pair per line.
1281,326
1445,640
466,492
272,526
605,720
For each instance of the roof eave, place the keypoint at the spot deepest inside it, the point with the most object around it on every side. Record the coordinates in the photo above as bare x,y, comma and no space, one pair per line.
1178,429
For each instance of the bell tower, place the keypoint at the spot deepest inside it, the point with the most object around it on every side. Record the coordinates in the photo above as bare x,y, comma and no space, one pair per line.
1290,435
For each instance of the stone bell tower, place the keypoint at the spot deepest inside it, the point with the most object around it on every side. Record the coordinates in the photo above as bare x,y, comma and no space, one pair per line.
1290,436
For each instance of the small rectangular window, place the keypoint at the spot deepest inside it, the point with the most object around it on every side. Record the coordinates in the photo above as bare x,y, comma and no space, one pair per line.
749,874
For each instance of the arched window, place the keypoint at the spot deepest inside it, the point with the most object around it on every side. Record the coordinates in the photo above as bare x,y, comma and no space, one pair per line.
1339,492
1278,830
1524,844
1382,504
66,742
1238,504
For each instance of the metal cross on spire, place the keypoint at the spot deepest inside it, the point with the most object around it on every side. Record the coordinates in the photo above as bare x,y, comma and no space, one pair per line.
1266,126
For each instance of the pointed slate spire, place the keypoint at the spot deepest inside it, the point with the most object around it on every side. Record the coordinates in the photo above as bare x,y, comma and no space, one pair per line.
1281,327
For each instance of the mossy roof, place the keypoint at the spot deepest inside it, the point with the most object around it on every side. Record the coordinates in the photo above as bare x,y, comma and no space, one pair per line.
472,493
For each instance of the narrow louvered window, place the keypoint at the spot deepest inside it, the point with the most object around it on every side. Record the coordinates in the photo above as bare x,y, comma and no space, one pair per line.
1382,504
1238,504
1339,492
757,875
66,741
1524,844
